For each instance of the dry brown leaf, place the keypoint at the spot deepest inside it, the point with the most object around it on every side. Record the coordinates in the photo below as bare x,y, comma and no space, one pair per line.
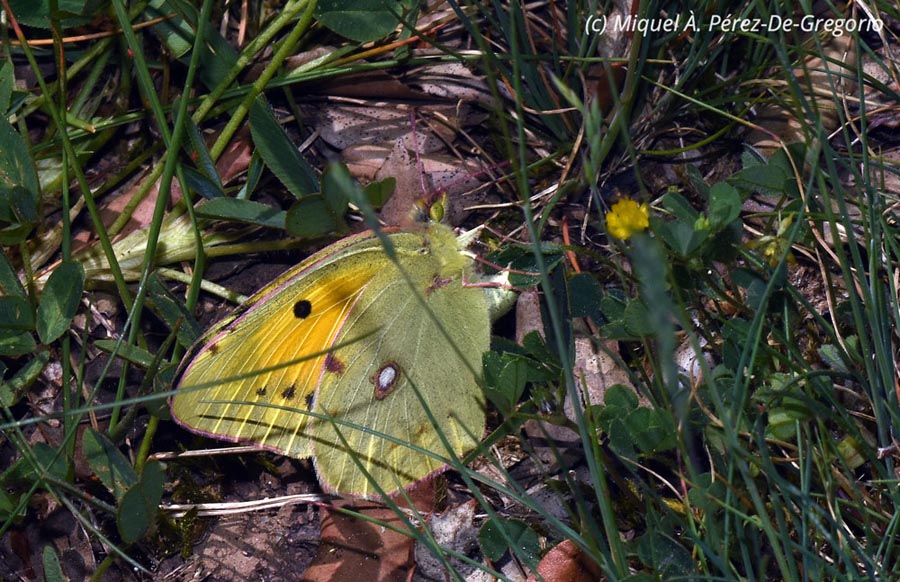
342,125
354,550
452,81
566,563
235,160
820,78
400,166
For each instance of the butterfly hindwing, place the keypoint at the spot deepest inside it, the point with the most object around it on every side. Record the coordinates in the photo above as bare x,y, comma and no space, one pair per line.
376,382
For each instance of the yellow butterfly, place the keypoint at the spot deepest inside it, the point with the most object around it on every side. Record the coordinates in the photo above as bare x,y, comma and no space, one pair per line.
368,345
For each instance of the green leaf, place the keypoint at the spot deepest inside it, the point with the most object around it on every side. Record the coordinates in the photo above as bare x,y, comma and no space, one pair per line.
206,176
787,406
505,376
172,311
16,314
706,491
621,397
9,283
697,181
47,460
18,211
321,214
378,193
242,211
359,20
724,205
680,208
523,542
522,263
16,324
12,390
279,153
8,505
202,184
312,217
736,333
669,558
108,463
13,343
6,86
832,356
585,295
613,309
36,13
59,301
133,354
139,506
254,174
753,284
16,164
852,452
613,305
770,178
619,403
534,344
333,189
178,34
637,319
682,237
651,430
52,568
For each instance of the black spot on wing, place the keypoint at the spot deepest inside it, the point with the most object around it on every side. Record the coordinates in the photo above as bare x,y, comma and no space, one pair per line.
302,309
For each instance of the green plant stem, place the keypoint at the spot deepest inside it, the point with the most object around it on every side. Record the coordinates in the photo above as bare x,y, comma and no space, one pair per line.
90,203
264,39
146,443
169,168
69,388
283,52
616,550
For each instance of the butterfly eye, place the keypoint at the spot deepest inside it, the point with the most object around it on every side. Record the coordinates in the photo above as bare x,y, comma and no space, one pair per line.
385,380
302,309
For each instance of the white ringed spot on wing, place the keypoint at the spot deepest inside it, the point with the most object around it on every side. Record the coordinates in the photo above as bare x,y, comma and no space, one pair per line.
385,379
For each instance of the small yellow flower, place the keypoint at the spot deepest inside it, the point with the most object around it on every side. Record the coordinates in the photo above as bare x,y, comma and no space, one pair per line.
626,218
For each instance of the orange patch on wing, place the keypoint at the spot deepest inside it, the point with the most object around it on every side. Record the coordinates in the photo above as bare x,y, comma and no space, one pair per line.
333,364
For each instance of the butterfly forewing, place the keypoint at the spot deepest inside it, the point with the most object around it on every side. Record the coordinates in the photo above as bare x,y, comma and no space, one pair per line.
255,378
